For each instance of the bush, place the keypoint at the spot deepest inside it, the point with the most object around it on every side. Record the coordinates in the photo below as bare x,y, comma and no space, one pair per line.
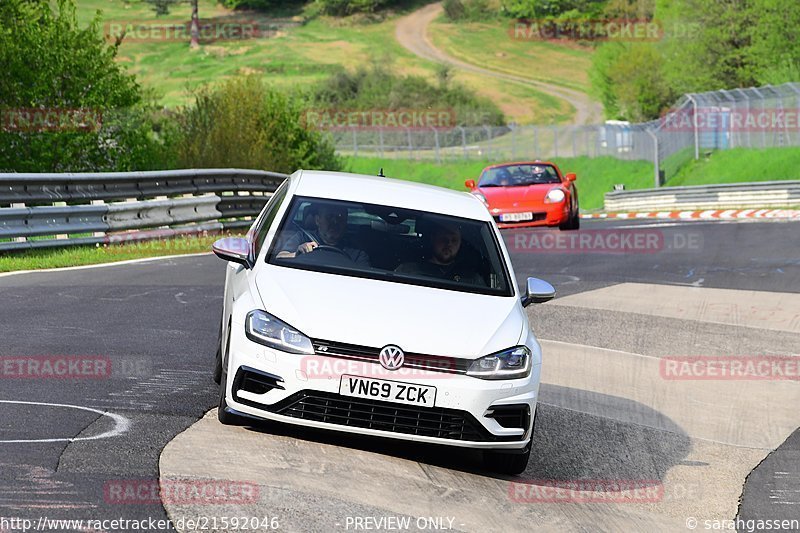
53,67
472,10
246,124
339,8
377,88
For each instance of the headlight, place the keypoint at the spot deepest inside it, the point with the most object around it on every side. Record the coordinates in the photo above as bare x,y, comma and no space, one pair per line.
482,198
509,364
554,196
263,328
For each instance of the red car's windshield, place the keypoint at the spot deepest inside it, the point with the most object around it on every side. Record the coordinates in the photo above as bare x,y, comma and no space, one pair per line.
519,175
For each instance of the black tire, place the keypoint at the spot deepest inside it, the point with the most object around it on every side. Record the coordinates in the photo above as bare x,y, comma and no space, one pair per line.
574,222
511,462
226,418
218,356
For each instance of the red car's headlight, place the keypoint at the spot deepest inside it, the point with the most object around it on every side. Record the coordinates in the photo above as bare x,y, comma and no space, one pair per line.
555,196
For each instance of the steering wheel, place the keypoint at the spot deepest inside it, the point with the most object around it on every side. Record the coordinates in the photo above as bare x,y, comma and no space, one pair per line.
327,248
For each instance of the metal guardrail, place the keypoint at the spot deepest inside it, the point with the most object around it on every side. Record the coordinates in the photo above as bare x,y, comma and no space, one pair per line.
70,209
723,196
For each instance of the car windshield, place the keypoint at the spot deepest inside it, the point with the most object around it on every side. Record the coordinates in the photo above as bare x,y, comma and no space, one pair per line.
391,244
519,175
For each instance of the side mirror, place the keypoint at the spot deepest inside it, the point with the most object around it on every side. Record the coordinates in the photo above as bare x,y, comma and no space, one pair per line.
537,292
470,184
571,176
234,249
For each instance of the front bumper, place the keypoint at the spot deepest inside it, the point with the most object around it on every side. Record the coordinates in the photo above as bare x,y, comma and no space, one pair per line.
296,389
543,215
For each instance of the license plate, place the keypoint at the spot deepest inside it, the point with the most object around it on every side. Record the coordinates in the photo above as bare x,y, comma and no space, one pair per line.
515,217
390,391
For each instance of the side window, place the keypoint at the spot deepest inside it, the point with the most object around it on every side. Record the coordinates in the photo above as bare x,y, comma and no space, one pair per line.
269,216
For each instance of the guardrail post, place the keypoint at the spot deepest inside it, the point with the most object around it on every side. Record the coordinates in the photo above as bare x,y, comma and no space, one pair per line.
19,239
61,236
98,233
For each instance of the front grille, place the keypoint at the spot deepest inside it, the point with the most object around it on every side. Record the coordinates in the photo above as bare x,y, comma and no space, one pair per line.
385,416
435,363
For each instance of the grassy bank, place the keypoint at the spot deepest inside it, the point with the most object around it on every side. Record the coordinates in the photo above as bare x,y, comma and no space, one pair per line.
90,255
740,165
595,176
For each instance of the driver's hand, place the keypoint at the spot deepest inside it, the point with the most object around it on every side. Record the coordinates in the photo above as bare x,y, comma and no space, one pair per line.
306,247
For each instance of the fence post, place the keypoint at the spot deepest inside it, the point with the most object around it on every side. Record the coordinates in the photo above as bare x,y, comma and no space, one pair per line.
514,143
555,141
656,162
463,141
488,141
410,145
380,138
536,150
436,140
355,143
694,126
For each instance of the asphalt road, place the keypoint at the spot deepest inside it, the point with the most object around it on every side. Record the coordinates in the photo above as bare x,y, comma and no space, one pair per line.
155,324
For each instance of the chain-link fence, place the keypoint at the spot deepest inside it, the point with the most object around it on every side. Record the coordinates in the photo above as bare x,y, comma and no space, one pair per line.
698,123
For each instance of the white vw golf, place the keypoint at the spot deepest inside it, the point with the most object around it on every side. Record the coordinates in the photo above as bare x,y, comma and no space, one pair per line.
381,307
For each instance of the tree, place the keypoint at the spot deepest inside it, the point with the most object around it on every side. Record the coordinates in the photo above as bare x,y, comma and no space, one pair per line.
52,67
162,7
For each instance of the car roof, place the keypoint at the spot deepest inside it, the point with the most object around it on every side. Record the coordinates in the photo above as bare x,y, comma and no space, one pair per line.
387,191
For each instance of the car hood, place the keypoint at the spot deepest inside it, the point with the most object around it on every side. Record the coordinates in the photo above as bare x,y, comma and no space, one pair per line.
376,313
508,196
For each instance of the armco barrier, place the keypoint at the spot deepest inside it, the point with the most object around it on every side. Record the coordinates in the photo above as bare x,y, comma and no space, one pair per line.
723,196
145,204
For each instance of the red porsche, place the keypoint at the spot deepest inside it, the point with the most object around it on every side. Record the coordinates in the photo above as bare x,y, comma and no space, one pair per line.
528,194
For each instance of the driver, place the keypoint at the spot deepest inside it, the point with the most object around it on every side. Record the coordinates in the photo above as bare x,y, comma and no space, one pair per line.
331,223
444,261
503,177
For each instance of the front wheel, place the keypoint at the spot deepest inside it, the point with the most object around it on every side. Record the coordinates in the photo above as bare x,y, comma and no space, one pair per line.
574,222
226,418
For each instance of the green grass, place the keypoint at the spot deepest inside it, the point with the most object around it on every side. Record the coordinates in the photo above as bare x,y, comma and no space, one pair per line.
297,56
596,176
740,165
90,255
492,43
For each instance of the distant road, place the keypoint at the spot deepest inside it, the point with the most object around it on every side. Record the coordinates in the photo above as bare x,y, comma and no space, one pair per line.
412,33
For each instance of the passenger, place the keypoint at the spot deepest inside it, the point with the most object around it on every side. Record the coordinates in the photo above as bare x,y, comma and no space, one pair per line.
331,227
444,261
